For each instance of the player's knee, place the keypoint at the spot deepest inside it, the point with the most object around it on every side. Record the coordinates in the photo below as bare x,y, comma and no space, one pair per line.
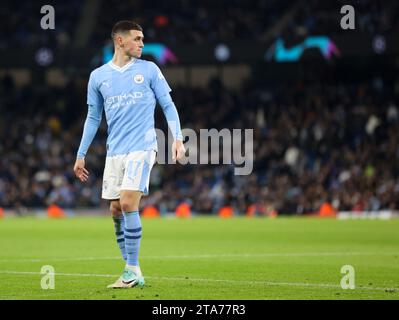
130,201
115,209
129,206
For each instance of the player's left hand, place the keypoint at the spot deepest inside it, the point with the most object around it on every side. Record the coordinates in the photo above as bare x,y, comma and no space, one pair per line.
178,150
80,170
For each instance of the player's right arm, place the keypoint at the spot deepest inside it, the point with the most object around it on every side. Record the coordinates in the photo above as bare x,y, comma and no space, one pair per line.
92,123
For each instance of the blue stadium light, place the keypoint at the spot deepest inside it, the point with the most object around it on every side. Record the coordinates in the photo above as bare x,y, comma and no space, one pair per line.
44,57
222,52
379,44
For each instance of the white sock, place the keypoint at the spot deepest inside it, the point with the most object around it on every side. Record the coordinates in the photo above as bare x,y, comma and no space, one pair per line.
135,269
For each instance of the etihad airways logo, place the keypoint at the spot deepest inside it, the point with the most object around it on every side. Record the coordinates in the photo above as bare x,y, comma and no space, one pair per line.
122,100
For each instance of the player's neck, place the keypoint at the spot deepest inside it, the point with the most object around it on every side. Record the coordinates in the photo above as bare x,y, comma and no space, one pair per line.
121,60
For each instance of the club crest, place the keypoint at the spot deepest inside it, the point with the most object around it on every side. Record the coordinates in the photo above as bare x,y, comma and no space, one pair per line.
138,78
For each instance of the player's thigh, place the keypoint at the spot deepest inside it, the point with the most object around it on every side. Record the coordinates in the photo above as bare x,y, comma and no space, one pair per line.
130,200
112,177
137,172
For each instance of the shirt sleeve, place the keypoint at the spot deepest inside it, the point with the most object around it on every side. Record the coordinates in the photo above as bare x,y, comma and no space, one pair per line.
95,103
171,115
158,82
94,96
93,121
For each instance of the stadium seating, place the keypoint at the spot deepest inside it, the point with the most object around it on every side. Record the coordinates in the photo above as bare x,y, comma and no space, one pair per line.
332,143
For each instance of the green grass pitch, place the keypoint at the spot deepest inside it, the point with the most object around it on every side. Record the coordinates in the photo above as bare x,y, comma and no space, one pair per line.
202,258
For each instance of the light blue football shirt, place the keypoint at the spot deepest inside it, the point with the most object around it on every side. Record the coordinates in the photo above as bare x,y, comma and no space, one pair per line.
128,96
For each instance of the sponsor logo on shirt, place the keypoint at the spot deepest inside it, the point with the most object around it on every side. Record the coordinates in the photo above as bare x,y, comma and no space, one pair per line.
123,100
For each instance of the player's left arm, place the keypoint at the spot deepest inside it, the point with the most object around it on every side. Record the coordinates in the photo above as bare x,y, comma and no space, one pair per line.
172,117
161,89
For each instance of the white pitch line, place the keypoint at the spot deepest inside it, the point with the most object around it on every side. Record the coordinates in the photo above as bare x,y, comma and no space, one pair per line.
272,254
62,259
60,274
213,256
267,283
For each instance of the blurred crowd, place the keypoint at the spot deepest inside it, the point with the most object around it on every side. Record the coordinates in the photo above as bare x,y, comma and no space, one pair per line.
316,17
21,24
313,143
194,22
190,21
245,20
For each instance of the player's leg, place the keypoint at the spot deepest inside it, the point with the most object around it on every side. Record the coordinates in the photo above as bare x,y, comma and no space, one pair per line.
119,224
135,183
127,207
129,202
112,180
132,274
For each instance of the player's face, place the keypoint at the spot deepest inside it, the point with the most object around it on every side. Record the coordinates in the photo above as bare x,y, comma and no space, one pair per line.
133,43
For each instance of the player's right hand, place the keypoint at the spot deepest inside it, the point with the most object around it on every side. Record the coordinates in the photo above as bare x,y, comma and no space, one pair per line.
80,172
